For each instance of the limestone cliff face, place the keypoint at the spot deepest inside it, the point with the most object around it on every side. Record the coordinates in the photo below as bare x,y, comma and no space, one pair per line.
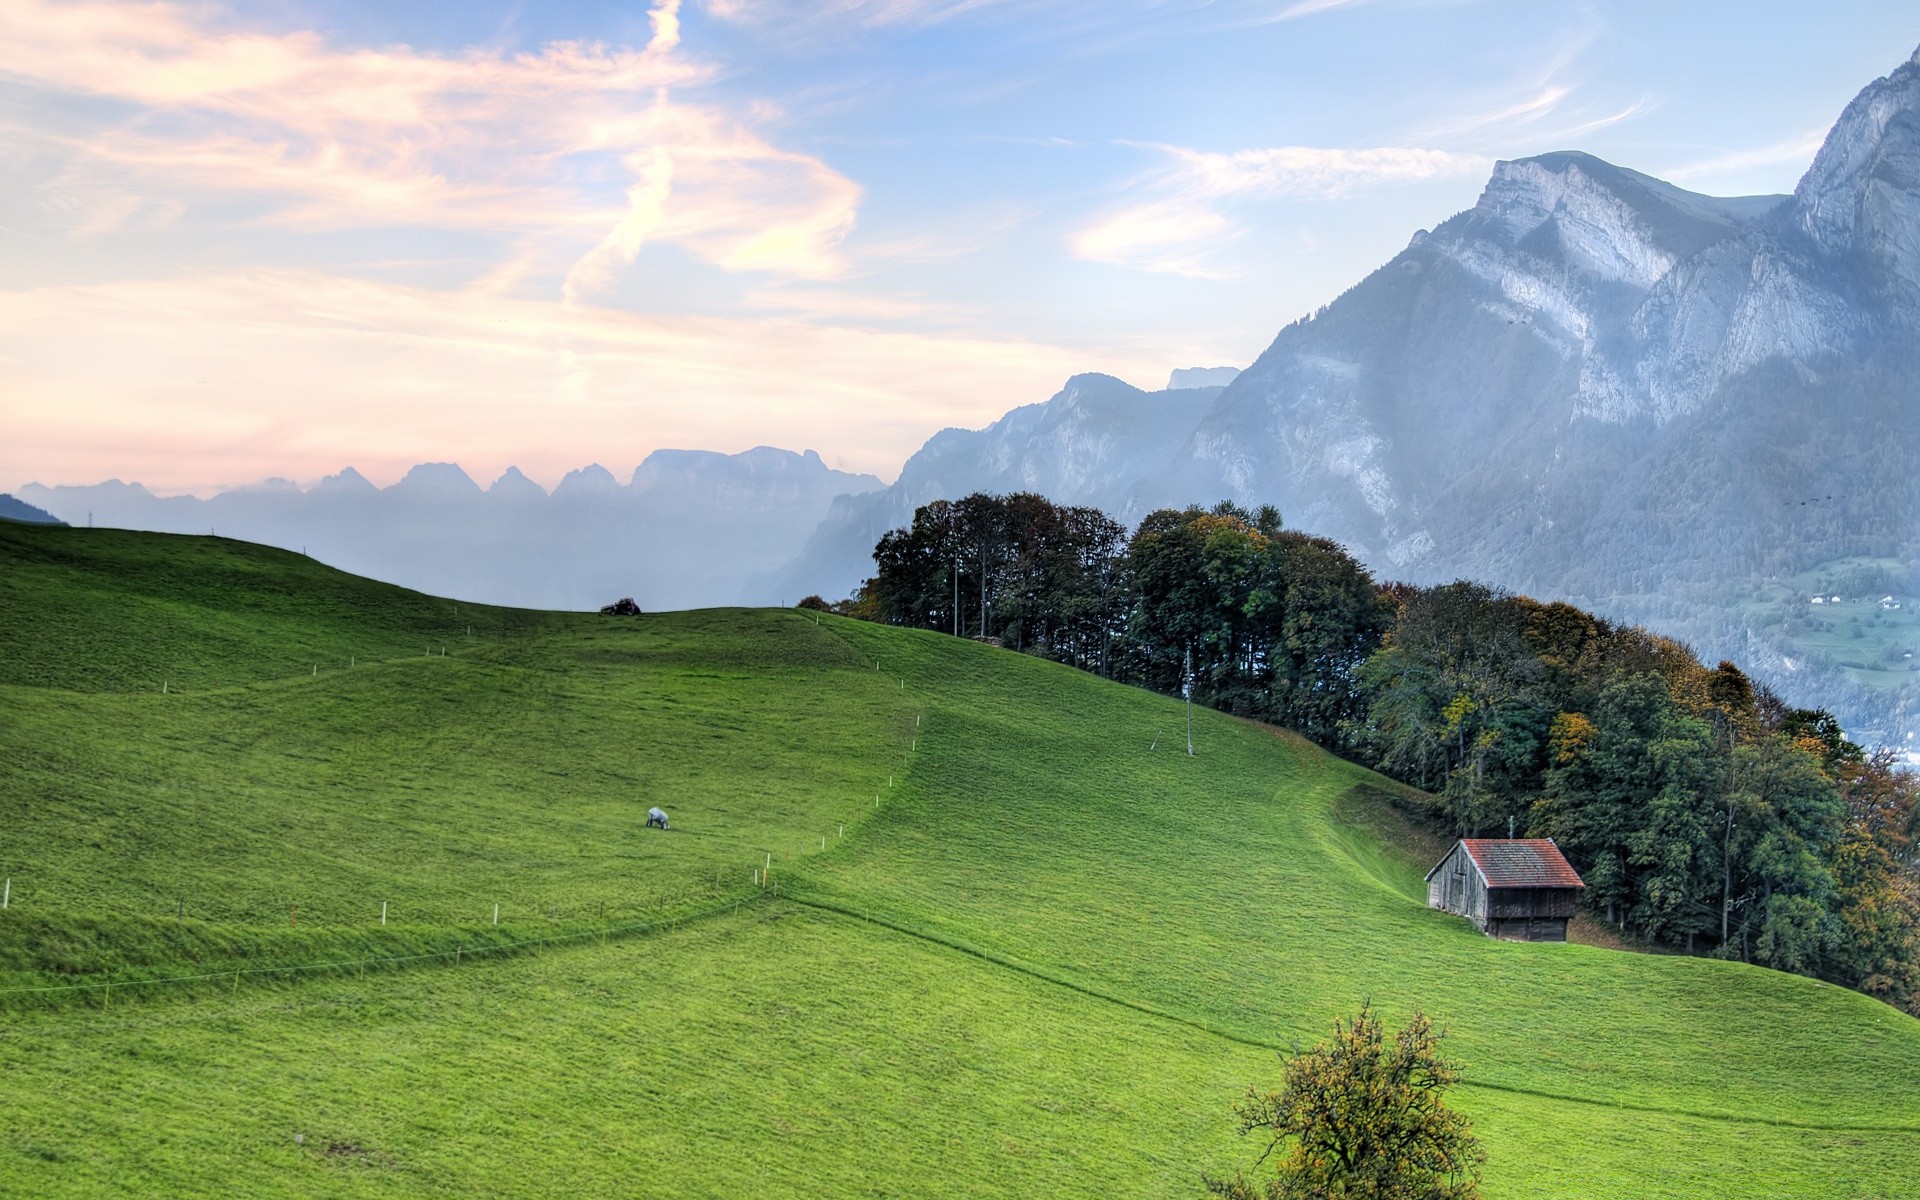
1508,394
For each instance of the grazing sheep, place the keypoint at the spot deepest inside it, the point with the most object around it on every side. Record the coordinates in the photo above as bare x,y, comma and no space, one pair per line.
656,818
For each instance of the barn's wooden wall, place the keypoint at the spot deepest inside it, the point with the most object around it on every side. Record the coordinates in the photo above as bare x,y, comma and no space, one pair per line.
1457,888
1525,914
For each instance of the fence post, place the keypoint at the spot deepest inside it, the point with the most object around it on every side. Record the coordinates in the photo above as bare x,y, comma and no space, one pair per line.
6,894
383,912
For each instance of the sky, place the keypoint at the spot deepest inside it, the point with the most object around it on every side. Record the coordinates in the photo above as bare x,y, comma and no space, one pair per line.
280,238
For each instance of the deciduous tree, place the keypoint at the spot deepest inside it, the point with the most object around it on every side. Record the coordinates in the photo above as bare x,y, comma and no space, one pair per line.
1362,1117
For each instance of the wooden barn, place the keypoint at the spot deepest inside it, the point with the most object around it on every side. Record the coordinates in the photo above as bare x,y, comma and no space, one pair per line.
1518,889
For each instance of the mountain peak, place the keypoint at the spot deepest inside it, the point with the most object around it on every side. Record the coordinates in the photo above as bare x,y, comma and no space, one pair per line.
1861,196
592,478
439,477
1610,222
514,483
348,481
1199,377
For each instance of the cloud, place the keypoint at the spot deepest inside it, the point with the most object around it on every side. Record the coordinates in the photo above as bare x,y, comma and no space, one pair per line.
1310,8
327,138
213,375
1795,151
867,13
665,21
1539,101
1167,236
1175,229
1312,171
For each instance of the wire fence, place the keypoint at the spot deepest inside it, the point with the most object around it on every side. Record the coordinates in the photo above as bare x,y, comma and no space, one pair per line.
765,881
455,956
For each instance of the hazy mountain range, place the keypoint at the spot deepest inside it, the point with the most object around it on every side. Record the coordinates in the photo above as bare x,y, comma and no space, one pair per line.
689,529
1692,411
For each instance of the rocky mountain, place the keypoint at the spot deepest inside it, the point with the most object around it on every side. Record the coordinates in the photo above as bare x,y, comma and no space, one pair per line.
689,529
1679,409
1685,410
1091,444
1198,377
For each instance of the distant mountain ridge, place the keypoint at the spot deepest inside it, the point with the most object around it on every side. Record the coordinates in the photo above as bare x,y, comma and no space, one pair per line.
1089,444
689,529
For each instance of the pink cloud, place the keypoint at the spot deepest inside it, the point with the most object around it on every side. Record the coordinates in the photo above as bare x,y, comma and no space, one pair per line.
338,138
225,378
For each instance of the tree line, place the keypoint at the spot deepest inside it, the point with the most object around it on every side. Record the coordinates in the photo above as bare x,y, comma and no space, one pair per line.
1704,813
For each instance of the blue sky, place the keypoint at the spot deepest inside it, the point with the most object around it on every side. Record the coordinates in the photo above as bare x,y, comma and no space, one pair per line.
279,238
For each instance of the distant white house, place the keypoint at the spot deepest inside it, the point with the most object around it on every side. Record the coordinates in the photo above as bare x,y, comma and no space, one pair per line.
1819,599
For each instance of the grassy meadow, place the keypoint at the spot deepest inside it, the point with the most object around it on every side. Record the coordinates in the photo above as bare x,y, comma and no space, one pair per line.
1045,962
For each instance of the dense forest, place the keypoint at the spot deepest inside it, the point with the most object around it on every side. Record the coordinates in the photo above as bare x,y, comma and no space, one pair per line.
1704,812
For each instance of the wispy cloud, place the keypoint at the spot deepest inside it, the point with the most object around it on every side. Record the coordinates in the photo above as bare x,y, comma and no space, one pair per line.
1182,218
1797,151
1538,102
869,13
1172,236
332,138
470,374
1310,8
1310,170
1542,107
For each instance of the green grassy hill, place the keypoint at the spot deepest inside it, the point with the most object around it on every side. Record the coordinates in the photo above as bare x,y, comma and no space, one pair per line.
1043,958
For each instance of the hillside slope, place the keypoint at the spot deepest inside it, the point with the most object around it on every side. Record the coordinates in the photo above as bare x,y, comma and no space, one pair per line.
1047,953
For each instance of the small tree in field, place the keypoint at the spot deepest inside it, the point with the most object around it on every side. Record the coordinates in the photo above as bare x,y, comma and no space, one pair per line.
1360,1117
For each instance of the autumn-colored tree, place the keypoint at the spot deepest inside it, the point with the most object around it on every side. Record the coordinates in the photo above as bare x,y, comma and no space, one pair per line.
1877,869
1361,1117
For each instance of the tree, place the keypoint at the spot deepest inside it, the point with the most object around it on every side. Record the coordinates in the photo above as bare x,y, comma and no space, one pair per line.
1628,801
1877,870
1797,815
1457,703
1362,1118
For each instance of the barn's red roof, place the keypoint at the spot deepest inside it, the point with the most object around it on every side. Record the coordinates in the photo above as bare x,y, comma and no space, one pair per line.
1521,862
